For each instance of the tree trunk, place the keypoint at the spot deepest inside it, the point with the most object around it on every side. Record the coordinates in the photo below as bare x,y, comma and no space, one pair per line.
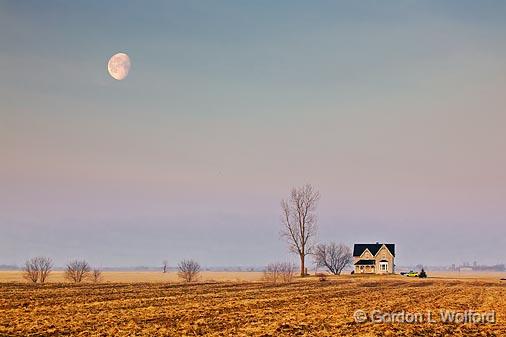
302,265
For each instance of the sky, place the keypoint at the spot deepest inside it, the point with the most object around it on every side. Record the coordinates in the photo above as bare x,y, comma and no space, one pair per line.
394,110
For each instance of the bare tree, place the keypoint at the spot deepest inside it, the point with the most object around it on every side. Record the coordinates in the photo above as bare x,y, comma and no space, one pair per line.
96,275
299,221
279,272
188,270
165,265
334,257
37,269
30,271
77,270
45,268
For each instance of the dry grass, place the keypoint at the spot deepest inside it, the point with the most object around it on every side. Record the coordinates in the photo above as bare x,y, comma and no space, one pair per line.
467,275
309,308
142,276
209,276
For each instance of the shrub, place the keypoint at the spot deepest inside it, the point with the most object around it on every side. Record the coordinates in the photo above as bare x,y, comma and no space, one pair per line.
322,277
96,275
77,270
189,270
37,269
279,272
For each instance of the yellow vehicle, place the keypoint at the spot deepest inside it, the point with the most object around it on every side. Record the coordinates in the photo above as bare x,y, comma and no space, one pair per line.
412,274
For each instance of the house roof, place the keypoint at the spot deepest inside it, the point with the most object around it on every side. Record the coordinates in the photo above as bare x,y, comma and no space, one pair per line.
359,248
365,263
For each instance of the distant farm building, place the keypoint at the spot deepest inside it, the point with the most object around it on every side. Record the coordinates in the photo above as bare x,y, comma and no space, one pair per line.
466,269
374,258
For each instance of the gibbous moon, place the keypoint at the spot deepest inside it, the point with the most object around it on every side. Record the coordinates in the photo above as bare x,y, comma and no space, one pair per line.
119,66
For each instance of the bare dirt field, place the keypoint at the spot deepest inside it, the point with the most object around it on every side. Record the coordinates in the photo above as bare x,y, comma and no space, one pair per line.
308,308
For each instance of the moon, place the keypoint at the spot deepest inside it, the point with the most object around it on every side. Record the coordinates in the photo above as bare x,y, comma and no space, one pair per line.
119,66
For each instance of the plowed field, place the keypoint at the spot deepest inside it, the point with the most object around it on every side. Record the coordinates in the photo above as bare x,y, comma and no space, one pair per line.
302,308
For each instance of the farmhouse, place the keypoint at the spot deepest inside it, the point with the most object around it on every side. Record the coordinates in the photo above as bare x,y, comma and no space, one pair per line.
374,258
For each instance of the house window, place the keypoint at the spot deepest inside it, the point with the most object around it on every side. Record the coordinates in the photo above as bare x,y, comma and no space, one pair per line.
384,266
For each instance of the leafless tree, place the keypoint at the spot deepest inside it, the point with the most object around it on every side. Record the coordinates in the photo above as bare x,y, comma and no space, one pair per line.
96,275
282,272
189,270
165,265
299,222
30,271
37,269
77,270
45,268
334,257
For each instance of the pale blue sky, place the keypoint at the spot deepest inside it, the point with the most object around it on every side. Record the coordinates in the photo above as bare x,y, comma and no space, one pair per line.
394,110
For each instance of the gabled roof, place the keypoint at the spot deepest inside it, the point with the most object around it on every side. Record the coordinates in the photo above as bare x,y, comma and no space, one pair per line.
365,263
359,248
